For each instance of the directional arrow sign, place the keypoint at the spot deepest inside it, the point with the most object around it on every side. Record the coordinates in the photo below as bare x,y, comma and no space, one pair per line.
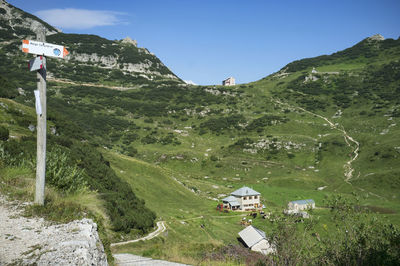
42,48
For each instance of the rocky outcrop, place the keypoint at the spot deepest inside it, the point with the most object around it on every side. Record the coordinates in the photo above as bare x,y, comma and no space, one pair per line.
111,62
376,37
34,241
16,18
107,61
140,67
128,40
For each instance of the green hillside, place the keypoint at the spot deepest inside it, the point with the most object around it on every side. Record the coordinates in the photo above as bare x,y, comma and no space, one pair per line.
143,146
271,135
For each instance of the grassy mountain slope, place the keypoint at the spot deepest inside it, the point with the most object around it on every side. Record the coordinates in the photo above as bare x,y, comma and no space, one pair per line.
363,99
299,133
270,135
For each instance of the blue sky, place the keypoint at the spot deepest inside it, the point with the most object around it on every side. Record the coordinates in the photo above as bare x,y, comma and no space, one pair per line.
207,41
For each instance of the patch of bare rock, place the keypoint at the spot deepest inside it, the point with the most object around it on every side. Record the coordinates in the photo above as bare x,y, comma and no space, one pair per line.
34,241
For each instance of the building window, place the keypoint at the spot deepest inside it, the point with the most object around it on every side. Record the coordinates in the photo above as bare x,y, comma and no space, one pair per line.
255,197
245,198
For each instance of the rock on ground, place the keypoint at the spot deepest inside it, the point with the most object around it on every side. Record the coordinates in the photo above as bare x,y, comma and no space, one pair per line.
27,241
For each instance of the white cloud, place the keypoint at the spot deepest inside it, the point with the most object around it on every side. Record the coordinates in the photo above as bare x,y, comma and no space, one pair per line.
189,82
71,18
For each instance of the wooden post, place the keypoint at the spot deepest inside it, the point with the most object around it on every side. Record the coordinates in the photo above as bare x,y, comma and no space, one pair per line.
41,129
41,50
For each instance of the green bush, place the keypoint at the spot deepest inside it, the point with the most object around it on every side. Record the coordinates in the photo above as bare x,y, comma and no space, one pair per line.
61,174
242,143
19,153
361,238
169,139
291,155
213,158
149,139
266,120
4,133
7,88
219,124
358,238
131,151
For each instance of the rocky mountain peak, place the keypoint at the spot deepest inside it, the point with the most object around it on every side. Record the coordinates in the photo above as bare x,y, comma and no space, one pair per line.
129,41
376,37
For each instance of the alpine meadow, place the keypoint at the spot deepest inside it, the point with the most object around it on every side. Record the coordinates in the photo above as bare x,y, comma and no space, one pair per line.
130,144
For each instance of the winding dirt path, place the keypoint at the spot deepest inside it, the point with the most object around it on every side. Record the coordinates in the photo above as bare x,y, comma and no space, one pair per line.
352,143
160,228
127,259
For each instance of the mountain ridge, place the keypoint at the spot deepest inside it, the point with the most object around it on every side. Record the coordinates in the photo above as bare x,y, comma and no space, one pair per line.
366,47
91,57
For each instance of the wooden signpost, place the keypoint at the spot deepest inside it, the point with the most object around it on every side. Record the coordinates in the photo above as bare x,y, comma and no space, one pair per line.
41,50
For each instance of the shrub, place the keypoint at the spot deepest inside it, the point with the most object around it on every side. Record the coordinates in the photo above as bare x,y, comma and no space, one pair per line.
62,174
4,133
131,151
19,153
266,120
358,238
361,238
213,158
170,139
149,139
242,143
219,124
291,155
7,89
